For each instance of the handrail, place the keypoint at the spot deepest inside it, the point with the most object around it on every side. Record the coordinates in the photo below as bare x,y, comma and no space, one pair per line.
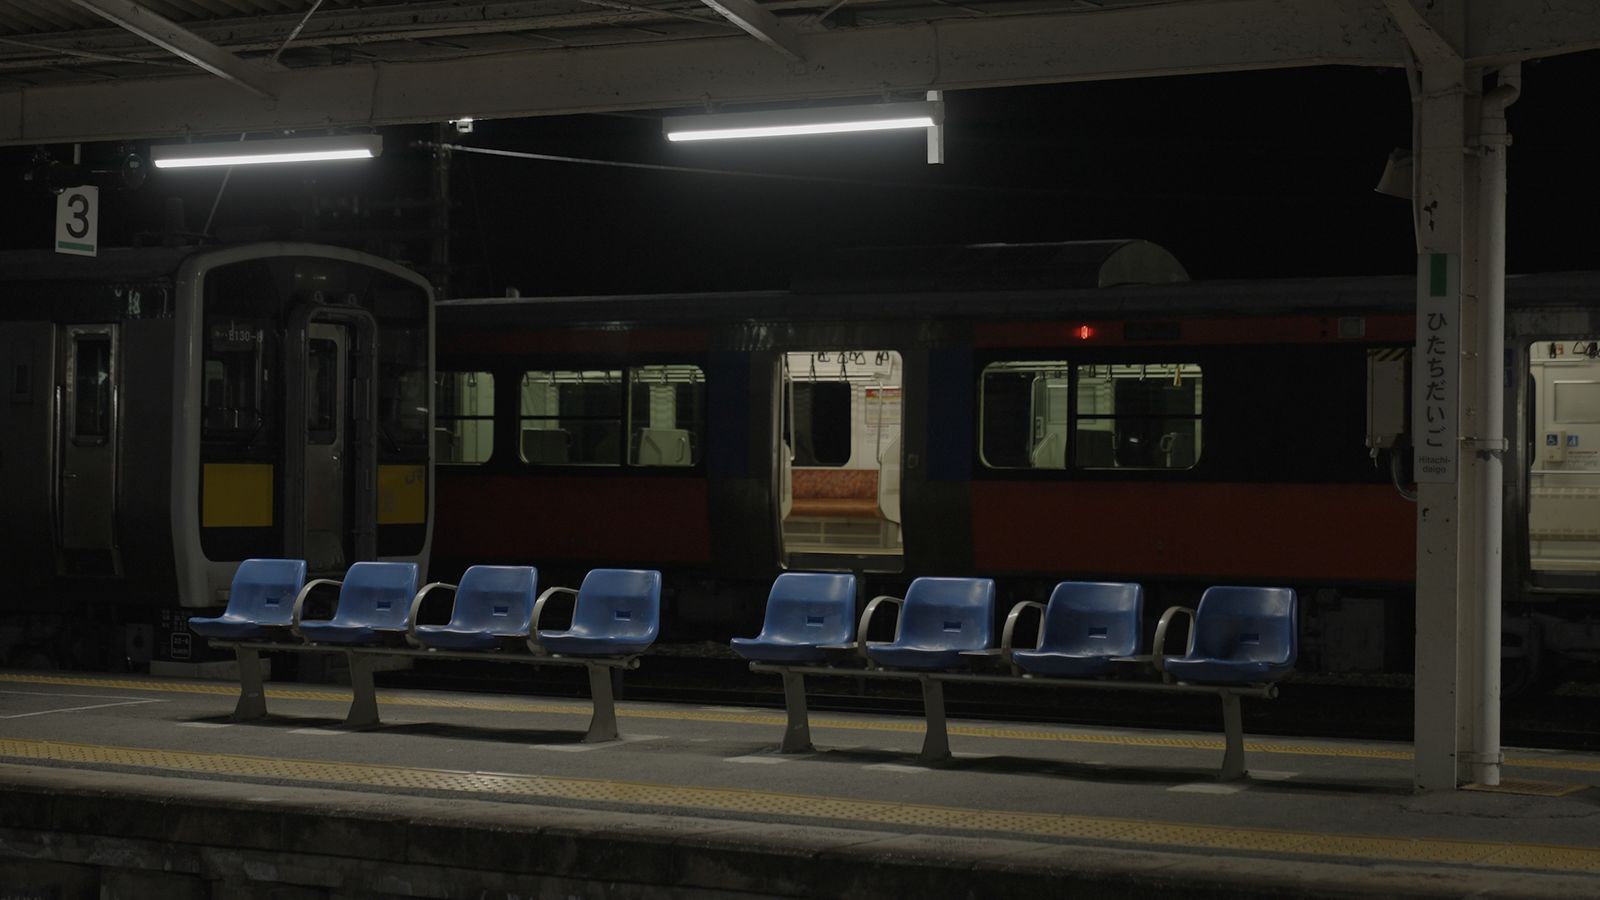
538,610
416,605
1011,624
866,619
300,601
1159,644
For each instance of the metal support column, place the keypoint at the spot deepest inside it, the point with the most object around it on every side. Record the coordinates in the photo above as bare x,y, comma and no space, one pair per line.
364,699
603,724
797,733
252,693
936,743
1232,738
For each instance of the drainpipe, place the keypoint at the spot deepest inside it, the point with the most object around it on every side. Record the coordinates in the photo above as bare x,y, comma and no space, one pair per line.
1491,439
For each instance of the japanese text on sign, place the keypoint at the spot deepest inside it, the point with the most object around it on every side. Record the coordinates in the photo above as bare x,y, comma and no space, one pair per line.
1434,383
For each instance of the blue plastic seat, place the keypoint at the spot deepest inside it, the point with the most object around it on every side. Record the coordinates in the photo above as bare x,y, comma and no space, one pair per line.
374,606
1240,635
805,610
493,607
260,603
940,618
618,613
1086,624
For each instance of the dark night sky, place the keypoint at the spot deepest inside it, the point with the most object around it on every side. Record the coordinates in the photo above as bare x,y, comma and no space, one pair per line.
1241,175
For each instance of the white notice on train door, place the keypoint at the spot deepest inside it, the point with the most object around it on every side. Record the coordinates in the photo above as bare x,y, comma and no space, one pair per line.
78,220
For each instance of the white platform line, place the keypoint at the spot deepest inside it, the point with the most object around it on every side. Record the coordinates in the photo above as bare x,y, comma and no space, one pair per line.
322,731
759,760
205,724
896,767
46,712
1271,775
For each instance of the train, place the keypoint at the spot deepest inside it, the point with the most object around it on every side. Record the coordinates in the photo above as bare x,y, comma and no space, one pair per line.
1029,413
171,411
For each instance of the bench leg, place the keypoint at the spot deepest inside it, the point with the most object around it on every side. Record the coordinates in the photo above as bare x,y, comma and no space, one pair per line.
1233,739
936,743
797,734
252,693
364,703
603,725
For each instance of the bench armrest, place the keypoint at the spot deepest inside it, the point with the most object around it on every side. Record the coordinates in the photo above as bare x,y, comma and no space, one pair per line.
416,606
300,603
1011,626
866,620
538,610
1158,647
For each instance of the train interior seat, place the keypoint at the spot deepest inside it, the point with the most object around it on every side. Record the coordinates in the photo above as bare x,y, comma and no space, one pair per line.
841,493
939,619
375,600
1239,635
1050,452
664,447
805,611
493,608
617,613
260,602
1084,627
546,445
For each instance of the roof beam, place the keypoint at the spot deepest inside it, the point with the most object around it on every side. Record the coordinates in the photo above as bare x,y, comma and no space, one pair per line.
760,24
175,38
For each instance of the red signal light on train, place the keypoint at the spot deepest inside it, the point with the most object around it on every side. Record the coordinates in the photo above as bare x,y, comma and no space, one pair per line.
1084,332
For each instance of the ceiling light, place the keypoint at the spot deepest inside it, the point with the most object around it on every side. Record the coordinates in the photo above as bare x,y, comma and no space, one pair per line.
273,150
810,120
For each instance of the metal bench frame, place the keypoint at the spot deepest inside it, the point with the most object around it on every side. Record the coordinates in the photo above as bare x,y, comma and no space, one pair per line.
364,703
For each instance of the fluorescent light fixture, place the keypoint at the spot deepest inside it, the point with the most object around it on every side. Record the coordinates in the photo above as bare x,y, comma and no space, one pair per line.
811,120
273,150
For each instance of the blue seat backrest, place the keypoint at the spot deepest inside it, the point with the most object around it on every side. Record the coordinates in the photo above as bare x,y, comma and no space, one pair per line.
377,594
1093,617
264,590
811,608
1256,624
948,613
496,599
619,603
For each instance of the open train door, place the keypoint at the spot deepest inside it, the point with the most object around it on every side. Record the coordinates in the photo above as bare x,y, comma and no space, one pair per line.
839,475
331,439
86,512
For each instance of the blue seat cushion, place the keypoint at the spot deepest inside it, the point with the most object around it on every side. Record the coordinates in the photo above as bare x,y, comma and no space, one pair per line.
566,643
451,637
330,633
777,651
1207,670
235,628
915,657
1064,665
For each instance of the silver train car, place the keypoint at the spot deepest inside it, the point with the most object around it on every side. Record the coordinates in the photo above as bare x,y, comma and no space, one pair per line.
168,412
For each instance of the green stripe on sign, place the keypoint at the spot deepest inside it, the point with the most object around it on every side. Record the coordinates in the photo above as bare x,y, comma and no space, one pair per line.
1438,274
69,245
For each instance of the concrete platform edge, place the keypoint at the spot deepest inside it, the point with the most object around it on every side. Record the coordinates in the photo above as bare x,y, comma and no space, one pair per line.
232,838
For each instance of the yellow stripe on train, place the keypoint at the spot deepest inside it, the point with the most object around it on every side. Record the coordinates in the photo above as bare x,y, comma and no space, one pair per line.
235,495
402,495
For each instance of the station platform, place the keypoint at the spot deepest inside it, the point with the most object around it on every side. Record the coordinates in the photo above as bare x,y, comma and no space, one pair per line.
142,787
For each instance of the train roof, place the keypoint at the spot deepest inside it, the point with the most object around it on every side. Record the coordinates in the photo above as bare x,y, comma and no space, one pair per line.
1341,295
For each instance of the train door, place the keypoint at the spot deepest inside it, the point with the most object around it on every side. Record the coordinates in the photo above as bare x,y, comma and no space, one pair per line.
1564,465
840,460
87,489
327,414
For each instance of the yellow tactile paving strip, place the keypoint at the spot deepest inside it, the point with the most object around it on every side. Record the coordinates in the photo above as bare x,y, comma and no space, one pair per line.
1150,835
477,702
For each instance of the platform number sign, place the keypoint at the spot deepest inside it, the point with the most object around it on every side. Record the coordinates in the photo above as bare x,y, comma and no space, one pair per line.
78,220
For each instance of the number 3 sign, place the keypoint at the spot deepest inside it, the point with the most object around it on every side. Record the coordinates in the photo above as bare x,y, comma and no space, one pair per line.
78,220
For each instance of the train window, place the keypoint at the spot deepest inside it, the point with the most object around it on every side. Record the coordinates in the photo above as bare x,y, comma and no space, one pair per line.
91,385
403,385
1138,416
819,434
571,417
1041,414
464,432
235,384
322,386
665,414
